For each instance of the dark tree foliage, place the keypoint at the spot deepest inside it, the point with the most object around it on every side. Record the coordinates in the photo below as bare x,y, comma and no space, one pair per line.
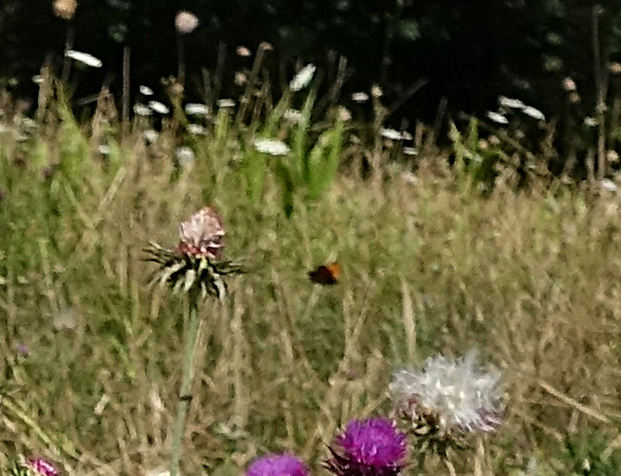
470,51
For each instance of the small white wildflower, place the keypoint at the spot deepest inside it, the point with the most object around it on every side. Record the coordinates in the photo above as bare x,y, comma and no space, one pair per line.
460,395
376,91
196,109
185,156
161,471
29,123
146,91
303,78
197,130
360,97
142,110
612,156
150,135
497,117
510,103
66,319
391,134
37,79
590,122
225,103
101,405
240,78
271,147
243,51
409,177
159,107
569,84
534,113
343,114
608,185
410,151
293,115
104,149
85,58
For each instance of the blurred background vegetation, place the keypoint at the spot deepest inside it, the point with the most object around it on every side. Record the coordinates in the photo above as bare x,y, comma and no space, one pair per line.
432,59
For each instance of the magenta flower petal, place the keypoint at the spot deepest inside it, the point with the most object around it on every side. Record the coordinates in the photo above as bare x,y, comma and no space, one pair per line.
42,467
372,447
277,465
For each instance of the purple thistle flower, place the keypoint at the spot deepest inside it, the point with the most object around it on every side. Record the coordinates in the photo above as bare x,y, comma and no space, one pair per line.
277,465
372,447
41,467
22,350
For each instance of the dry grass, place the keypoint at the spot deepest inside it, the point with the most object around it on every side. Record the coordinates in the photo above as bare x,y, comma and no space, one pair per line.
530,279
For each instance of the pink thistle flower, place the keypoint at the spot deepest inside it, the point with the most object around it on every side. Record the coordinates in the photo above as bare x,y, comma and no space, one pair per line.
41,467
201,235
372,447
277,465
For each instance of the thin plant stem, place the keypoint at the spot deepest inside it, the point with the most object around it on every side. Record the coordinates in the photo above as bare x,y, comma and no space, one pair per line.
180,59
186,380
66,60
126,85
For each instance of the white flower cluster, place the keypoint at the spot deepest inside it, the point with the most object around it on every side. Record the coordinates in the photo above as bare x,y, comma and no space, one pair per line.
460,394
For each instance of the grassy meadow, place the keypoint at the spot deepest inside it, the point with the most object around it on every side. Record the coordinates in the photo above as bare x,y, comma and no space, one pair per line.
91,355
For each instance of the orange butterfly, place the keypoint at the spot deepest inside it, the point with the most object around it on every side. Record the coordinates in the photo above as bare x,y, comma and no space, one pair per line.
326,274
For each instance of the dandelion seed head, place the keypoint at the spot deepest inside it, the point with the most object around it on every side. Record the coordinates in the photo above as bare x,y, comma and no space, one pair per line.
186,22
457,392
277,465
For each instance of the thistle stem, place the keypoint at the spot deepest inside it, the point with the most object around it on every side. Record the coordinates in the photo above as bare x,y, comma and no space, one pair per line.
186,380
